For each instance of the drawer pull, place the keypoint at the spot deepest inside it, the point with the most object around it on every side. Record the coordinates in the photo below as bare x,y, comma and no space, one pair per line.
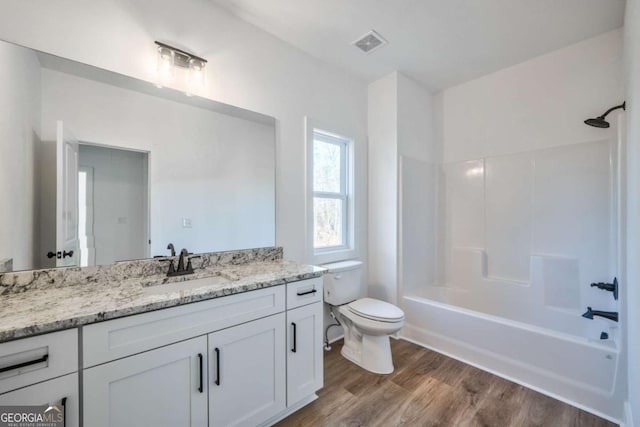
24,364
217,350
201,386
294,349
63,402
312,291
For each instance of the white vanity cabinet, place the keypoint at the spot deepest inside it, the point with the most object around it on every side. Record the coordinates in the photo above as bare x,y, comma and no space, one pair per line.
145,369
304,340
62,391
247,373
162,387
304,352
42,370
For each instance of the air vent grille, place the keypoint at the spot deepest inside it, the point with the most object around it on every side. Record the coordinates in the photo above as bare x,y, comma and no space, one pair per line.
370,42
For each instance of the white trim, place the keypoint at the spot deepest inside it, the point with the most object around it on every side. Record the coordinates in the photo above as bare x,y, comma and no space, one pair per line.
628,415
332,253
338,338
88,236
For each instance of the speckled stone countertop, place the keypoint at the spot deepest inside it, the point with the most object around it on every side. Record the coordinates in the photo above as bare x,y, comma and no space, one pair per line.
45,309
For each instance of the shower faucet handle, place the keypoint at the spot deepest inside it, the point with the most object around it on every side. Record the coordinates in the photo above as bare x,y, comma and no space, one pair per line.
610,287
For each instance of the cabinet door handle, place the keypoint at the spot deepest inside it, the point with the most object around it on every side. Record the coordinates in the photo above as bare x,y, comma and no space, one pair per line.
63,402
294,337
201,386
217,381
24,364
312,291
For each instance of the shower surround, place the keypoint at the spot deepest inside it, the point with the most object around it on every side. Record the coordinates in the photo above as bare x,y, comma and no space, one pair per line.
521,237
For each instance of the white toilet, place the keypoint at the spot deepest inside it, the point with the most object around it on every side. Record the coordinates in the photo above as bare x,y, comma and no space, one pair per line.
367,322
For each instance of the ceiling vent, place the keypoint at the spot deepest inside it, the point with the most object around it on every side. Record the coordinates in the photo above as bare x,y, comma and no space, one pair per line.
370,42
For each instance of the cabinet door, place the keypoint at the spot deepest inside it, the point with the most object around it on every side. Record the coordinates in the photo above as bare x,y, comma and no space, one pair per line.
247,373
62,392
162,387
304,352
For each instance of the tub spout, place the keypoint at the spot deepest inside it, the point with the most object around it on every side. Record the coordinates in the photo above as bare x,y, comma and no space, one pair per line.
611,315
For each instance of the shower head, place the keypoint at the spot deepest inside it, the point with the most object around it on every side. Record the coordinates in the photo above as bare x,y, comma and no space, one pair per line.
600,122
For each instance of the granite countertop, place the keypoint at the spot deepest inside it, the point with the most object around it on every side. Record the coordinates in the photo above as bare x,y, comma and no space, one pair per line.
41,310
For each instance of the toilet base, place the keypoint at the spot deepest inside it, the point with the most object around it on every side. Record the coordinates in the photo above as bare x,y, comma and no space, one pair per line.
372,353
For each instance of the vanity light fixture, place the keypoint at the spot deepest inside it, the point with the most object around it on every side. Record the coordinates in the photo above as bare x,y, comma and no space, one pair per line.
171,58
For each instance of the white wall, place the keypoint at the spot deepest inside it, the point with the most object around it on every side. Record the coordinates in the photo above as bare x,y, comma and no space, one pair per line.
419,158
402,202
632,285
495,129
214,169
383,184
19,135
537,104
247,67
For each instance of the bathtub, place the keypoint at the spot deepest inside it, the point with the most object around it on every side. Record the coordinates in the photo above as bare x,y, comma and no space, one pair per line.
577,370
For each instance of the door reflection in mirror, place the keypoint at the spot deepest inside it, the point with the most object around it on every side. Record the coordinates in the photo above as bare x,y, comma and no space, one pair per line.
112,205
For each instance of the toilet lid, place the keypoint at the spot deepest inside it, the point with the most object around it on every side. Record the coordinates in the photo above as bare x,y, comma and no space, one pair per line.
376,310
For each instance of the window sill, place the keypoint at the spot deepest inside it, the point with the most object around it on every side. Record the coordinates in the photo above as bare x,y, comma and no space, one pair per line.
341,254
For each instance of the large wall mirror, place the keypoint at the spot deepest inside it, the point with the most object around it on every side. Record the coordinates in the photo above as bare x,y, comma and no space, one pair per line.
97,167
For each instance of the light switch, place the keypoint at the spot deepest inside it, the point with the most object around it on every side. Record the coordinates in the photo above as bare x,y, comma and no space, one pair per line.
186,222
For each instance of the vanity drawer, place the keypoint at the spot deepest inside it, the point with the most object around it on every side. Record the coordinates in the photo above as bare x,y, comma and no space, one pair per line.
114,339
304,292
31,360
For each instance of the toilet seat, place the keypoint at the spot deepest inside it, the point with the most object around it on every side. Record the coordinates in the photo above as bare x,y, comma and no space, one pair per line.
377,310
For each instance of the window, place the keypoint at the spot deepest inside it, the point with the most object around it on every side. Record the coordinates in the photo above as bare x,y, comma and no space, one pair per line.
331,187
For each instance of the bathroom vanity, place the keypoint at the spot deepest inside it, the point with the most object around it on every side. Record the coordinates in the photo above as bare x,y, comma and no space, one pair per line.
97,316
237,344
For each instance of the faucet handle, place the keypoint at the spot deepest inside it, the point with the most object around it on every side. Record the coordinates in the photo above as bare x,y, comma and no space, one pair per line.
172,268
189,258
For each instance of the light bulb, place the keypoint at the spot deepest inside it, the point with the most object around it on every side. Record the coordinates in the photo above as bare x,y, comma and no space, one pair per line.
196,76
166,68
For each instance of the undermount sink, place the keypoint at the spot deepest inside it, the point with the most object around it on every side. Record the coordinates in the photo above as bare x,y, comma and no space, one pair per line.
215,280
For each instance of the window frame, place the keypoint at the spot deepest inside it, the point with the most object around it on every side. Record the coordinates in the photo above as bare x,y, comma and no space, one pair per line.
346,249
343,194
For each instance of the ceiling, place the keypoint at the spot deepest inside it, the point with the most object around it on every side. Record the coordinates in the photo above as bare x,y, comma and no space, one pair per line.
439,43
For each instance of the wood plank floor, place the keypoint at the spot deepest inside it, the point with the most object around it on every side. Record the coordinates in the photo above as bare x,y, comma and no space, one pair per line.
429,389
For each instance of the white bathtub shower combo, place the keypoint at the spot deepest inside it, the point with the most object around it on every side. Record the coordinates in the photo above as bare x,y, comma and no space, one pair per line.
517,241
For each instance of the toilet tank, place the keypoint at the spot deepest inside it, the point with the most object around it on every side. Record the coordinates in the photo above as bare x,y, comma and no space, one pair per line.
342,282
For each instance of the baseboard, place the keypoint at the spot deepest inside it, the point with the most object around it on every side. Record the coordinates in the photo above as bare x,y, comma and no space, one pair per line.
417,341
628,415
338,338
